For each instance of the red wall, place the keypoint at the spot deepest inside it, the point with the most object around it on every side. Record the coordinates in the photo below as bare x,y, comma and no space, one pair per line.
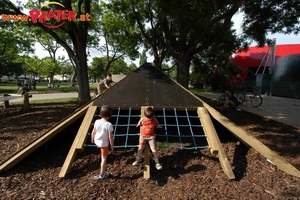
254,56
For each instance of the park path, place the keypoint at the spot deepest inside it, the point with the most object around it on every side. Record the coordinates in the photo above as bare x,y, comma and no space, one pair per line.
284,110
49,96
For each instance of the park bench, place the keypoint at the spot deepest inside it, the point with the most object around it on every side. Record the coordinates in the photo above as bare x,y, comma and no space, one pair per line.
5,98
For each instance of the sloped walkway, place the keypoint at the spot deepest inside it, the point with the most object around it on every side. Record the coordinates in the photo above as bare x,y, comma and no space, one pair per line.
284,110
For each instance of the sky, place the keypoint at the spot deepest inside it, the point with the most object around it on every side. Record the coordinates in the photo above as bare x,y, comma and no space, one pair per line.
280,38
237,19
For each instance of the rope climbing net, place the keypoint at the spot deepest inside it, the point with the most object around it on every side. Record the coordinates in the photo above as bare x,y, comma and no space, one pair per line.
182,129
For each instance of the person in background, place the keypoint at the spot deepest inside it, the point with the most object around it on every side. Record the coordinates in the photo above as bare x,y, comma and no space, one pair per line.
105,84
222,98
33,83
231,100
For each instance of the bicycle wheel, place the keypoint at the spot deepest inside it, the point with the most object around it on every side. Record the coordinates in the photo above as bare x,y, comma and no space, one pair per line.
256,100
241,98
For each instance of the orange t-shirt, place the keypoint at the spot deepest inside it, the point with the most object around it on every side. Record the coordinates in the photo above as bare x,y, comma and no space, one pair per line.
148,126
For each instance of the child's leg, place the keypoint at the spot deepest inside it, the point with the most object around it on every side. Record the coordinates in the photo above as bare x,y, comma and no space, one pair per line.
153,148
142,142
104,153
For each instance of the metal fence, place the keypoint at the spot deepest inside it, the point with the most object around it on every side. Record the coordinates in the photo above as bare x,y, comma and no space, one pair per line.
289,89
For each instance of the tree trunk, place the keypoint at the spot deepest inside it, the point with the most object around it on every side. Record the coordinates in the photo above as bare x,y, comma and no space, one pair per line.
158,61
183,73
72,80
84,94
51,77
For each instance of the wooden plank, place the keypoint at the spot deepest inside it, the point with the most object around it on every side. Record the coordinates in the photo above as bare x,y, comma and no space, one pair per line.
146,151
73,150
6,103
147,162
43,139
26,101
209,130
211,133
85,126
279,161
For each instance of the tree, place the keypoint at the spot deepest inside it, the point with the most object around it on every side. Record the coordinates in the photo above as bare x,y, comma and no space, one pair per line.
143,57
50,45
269,16
77,32
141,23
120,38
120,67
212,66
97,70
14,42
193,27
50,68
34,64
183,29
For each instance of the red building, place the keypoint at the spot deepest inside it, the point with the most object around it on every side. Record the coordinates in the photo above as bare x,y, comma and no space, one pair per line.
273,70
260,56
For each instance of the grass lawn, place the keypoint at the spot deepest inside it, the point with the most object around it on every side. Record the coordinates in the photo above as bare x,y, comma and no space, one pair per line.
196,90
41,88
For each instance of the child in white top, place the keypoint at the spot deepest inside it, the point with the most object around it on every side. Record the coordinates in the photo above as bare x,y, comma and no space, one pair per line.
102,136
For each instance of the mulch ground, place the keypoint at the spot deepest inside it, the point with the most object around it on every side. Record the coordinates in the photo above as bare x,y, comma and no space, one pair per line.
186,174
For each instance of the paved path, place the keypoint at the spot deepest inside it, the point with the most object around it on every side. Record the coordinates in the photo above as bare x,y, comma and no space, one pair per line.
45,96
284,110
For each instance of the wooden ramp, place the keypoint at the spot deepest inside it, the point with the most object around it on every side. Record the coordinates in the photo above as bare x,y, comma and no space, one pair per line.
43,139
279,161
79,140
214,141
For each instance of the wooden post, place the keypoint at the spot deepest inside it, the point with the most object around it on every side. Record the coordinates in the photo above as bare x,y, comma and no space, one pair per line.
6,103
26,101
146,152
147,162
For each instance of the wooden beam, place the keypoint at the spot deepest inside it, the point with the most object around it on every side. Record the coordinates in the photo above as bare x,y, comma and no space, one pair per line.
216,146
26,101
146,151
82,131
85,126
147,162
209,130
279,161
43,139
6,103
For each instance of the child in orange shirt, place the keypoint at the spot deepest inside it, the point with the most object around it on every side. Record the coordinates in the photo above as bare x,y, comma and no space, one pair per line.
148,124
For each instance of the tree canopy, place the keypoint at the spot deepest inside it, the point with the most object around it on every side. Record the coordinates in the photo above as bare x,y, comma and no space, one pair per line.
176,30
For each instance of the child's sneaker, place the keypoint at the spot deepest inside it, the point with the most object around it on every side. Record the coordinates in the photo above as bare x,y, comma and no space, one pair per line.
158,166
135,163
104,176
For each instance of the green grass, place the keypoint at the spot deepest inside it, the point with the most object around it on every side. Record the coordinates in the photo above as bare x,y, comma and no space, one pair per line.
196,90
46,101
41,88
61,101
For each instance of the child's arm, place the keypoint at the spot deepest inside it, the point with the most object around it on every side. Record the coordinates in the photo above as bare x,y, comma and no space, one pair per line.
93,135
140,123
157,124
111,141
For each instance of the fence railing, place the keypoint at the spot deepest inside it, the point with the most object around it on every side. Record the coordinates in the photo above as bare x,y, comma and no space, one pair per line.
289,89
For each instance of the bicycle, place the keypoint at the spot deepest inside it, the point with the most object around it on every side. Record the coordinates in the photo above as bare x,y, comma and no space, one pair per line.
249,95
